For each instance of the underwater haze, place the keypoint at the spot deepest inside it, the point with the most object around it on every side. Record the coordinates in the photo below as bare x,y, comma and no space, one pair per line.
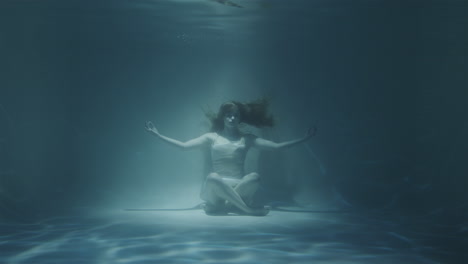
385,82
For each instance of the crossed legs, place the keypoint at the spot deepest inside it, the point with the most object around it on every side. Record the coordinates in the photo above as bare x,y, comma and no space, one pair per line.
218,192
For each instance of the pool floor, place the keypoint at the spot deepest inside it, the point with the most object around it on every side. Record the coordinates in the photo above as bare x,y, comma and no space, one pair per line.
283,236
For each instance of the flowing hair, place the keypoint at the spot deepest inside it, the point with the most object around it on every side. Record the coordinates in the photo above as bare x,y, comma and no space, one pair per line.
253,113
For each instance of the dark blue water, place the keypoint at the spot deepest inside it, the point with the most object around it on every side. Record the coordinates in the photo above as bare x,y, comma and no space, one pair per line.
384,81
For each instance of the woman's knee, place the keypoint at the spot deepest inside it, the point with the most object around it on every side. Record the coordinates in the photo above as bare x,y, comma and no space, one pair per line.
252,177
213,177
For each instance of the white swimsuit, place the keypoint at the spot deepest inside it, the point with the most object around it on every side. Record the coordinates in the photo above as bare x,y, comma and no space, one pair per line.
228,157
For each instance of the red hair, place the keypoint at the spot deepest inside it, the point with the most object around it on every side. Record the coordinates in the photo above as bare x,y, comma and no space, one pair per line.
253,113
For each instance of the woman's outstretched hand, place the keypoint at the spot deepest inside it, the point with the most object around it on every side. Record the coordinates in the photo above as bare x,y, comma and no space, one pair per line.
311,132
151,128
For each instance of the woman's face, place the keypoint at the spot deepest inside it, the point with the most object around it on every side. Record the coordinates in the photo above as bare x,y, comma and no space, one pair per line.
232,118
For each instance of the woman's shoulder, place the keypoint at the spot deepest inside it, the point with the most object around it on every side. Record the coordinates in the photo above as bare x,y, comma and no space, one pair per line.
249,138
213,136
210,135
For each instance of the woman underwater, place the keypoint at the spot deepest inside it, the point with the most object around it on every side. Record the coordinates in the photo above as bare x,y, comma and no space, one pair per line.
227,188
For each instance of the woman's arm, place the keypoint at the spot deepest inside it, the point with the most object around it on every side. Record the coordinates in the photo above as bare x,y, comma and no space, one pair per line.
264,144
193,143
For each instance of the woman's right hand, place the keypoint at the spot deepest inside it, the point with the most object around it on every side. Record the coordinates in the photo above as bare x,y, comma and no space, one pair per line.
151,128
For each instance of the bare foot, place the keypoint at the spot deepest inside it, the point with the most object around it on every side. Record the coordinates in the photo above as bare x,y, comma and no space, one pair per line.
254,211
262,211
213,210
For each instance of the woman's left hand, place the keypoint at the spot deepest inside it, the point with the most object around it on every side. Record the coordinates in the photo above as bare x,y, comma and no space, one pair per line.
311,132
